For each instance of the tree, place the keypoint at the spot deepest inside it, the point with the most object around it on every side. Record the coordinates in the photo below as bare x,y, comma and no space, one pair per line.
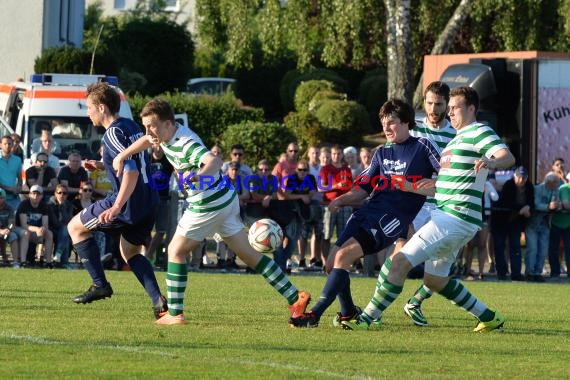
445,41
366,34
399,49
151,49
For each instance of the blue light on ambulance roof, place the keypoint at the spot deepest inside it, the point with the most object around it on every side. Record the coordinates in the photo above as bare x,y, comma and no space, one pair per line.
112,80
36,78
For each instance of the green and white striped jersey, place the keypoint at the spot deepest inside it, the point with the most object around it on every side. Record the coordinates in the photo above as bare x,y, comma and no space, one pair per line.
439,137
458,189
186,152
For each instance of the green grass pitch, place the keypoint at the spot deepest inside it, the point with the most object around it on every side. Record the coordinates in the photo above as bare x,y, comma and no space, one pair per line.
237,329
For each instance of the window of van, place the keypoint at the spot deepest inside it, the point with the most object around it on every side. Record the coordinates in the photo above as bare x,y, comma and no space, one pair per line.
69,134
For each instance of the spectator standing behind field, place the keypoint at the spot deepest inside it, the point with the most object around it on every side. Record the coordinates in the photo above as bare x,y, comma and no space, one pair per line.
538,227
33,216
9,233
560,229
350,158
313,226
42,174
282,211
61,212
299,189
508,221
10,173
46,144
73,175
335,179
160,164
262,189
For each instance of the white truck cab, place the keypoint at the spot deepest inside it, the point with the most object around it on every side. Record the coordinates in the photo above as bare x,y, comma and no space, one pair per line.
55,102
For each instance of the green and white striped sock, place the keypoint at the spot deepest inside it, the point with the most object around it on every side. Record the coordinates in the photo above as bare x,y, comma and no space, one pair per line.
277,279
384,295
421,294
176,282
459,295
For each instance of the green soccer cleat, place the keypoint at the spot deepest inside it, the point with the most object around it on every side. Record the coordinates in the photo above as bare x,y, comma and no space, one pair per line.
338,318
415,313
495,324
356,324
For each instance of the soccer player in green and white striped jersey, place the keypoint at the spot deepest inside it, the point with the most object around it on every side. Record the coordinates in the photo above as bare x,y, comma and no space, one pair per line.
213,208
437,129
459,189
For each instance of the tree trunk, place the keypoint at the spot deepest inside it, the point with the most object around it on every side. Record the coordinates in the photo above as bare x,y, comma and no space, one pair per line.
445,41
399,49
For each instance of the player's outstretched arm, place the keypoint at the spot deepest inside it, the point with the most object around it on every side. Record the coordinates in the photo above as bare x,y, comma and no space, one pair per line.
141,144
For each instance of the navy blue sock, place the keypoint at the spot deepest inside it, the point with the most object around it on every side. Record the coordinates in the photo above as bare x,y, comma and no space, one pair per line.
336,282
88,251
345,299
142,268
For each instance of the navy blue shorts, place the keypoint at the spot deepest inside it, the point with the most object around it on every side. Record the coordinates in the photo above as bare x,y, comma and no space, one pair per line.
373,231
136,233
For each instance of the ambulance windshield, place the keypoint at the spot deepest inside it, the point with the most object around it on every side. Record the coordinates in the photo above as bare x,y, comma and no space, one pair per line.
67,134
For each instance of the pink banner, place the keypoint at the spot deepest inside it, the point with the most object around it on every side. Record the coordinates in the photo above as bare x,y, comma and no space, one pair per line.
553,128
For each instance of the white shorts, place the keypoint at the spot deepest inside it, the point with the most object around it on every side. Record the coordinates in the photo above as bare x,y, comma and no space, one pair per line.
423,216
438,243
197,226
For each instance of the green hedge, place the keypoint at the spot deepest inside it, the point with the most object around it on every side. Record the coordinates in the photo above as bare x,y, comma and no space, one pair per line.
208,116
344,122
260,140
294,78
306,91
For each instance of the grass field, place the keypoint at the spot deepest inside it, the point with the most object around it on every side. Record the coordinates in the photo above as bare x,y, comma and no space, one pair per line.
237,328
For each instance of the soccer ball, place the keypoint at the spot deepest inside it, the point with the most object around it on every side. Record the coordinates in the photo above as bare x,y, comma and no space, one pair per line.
265,235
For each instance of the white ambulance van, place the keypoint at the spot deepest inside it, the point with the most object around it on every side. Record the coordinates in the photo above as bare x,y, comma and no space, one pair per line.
55,102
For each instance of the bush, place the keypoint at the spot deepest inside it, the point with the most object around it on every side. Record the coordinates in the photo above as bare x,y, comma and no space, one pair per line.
70,60
343,121
208,116
306,128
172,52
307,90
323,96
260,140
294,78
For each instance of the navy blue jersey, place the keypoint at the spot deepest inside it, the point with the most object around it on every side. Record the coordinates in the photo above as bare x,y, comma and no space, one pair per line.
120,135
414,159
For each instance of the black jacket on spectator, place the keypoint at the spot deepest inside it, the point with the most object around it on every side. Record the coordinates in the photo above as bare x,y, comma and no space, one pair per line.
506,209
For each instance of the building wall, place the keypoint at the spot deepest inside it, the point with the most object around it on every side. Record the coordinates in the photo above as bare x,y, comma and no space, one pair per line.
187,9
28,27
21,26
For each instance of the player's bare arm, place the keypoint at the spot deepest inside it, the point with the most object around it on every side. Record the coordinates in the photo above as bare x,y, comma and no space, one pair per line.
502,159
354,196
423,186
141,144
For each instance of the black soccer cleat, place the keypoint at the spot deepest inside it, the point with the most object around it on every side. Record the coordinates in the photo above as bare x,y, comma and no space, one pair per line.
305,320
160,308
94,293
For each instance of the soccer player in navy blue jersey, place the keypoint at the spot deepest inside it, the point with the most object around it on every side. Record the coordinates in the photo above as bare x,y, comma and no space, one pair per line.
129,211
395,186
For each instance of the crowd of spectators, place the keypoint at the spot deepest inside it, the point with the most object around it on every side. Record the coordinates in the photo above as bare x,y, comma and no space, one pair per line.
525,236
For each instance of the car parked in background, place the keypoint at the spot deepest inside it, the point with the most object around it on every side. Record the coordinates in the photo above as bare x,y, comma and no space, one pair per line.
210,86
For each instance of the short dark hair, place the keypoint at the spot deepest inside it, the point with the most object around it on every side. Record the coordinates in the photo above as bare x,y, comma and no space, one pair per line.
159,107
403,110
469,94
103,93
438,88
237,146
